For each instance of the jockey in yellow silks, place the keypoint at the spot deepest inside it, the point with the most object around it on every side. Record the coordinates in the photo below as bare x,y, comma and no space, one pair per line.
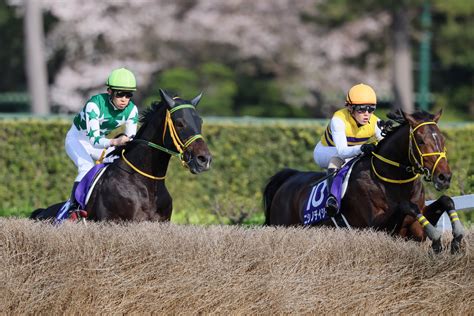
350,132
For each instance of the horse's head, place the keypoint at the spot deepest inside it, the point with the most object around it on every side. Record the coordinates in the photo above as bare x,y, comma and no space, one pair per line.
184,125
427,149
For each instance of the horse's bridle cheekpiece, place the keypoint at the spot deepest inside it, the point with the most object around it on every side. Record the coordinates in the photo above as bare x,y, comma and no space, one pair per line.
417,165
179,144
420,169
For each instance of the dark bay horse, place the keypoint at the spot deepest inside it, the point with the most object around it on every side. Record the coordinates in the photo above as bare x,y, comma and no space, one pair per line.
133,187
385,191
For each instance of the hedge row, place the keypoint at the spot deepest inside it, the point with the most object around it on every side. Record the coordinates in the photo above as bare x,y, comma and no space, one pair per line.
35,170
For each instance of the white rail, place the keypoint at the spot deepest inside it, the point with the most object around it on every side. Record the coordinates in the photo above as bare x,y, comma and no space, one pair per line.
462,202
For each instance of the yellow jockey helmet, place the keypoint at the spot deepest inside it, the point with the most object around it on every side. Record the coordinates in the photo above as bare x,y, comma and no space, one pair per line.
361,94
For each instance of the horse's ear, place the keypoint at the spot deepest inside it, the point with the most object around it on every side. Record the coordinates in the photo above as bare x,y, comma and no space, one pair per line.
196,100
437,116
169,100
413,122
397,116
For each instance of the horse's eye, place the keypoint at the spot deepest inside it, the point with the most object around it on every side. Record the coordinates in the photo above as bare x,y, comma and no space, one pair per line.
421,142
179,123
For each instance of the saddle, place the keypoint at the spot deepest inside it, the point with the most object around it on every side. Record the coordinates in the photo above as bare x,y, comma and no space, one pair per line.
87,184
315,210
82,195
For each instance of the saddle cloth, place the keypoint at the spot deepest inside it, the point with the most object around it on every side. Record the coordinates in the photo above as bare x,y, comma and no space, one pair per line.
85,187
82,193
315,206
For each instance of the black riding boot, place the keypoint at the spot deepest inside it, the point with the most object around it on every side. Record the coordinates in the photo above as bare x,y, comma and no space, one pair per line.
74,204
331,204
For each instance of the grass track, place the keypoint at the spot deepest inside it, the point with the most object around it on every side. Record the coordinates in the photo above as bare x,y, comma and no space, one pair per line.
150,267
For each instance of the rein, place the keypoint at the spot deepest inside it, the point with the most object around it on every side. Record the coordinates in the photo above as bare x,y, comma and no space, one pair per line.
178,143
419,168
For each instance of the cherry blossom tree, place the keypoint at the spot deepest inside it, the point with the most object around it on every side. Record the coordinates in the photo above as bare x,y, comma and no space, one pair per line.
149,36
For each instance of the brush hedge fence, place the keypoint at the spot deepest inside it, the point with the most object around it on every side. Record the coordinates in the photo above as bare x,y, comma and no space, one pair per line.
35,170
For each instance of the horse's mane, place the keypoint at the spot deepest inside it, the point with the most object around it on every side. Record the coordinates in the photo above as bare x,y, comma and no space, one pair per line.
145,118
397,120
148,114
156,109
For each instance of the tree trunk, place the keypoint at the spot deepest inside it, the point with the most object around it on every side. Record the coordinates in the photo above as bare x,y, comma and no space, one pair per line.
35,57
402,62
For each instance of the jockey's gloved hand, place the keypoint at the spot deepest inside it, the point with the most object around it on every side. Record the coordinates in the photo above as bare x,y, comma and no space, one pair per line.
120,141
389,124
367,148
385,126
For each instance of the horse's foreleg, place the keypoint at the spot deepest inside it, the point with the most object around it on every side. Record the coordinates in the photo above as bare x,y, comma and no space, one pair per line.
434,211
432,232
437,208
458,231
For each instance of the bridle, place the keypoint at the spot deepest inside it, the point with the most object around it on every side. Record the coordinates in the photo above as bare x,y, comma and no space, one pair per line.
416,159
179,144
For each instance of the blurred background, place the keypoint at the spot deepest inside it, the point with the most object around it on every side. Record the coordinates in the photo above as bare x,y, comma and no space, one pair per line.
280,58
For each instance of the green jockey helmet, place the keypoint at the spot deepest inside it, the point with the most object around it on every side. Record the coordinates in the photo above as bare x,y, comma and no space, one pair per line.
122,79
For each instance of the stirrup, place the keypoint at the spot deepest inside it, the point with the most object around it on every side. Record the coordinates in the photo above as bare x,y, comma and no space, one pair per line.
331,206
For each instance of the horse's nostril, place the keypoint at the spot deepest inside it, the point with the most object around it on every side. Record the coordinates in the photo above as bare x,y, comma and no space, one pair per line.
202,160
443,178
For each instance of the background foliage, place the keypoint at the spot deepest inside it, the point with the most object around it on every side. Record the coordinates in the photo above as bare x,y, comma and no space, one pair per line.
35,171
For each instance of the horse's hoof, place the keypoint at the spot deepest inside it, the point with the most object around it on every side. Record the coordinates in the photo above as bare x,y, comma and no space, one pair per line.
437,246
456,245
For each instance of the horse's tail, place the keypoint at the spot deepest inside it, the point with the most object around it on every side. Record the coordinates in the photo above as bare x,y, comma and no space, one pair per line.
36,213
46,213
273,184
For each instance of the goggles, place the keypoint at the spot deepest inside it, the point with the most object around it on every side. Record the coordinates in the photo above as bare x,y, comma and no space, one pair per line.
362,108
121,94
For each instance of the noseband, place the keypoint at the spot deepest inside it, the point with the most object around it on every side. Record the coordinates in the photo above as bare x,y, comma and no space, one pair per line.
179,144
417,164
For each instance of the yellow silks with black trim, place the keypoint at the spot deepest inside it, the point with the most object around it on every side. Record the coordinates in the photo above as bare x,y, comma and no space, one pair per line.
355,135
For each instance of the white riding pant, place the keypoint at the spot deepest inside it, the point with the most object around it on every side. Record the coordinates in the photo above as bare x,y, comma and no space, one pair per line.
327,157
81,152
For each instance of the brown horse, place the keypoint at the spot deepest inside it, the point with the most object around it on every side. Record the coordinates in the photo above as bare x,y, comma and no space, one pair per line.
133,186
385,191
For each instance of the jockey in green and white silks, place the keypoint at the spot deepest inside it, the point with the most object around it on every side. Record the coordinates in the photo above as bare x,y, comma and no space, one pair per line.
86,139
102,114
